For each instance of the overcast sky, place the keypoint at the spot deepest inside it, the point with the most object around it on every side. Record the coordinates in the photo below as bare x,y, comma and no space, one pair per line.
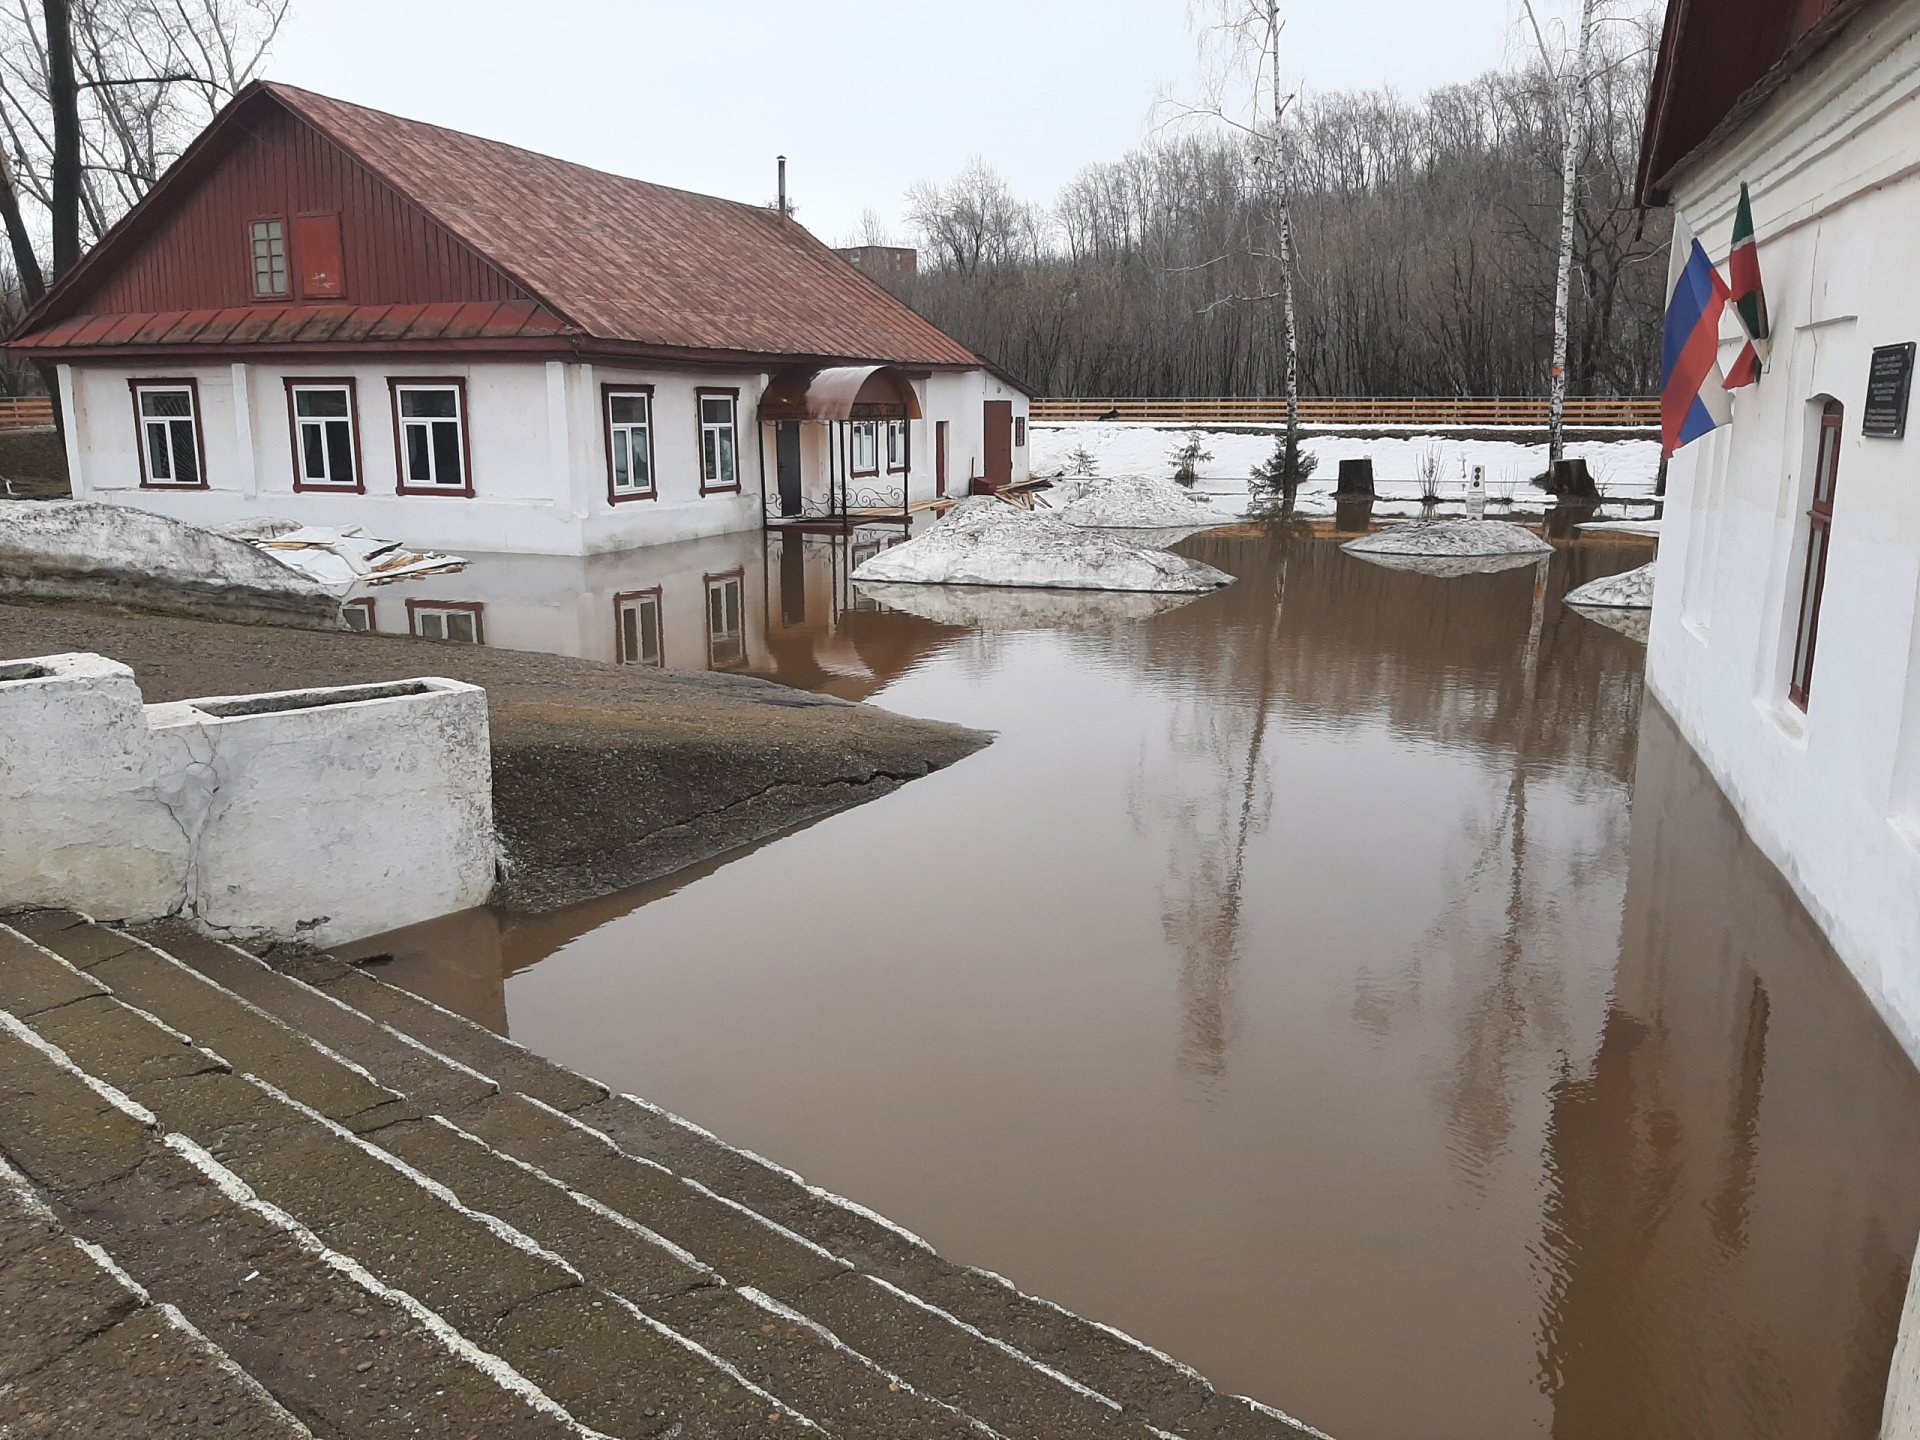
863,97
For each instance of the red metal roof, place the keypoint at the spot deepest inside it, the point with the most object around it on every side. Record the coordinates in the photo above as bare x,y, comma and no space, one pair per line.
1719,60
296,324
607,259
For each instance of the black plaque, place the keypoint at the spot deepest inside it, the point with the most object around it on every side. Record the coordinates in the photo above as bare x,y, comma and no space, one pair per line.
1889,382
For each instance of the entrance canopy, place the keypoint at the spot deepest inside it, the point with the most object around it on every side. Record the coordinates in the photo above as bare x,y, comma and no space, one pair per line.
840,392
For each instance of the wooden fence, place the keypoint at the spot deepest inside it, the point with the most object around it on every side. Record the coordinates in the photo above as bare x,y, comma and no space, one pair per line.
19,411
1432,410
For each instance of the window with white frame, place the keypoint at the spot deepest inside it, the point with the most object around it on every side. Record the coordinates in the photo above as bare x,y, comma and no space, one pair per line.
433,449
640,641
863,448
896,444
269,257
719,470
359,615
323,434
446,622
726,630
169,434
630,441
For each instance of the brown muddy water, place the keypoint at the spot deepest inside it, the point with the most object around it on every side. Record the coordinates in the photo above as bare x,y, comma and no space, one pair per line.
1341,982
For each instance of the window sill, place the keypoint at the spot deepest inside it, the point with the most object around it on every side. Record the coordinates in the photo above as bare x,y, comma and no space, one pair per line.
719,489
1791,722
621,497
462,492
173,485
316,487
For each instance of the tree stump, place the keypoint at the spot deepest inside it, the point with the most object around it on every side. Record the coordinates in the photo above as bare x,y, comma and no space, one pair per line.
1356,477
1570,480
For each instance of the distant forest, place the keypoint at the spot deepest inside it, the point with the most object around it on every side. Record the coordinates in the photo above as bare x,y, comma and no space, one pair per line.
1425,239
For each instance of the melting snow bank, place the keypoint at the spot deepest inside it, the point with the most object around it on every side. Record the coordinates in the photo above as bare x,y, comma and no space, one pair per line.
83,550
1450,538
983,541
1133,502
1630,590
981,609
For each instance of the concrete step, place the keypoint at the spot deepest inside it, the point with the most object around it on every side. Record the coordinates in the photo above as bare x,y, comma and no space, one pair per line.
616,1370
878,1334
910,1348
300,1323
85,1350
1145,1382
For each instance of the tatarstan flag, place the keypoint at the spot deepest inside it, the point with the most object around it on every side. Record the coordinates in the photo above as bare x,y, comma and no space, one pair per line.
1749,300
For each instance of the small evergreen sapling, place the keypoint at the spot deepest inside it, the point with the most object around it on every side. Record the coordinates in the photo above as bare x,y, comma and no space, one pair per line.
1081,463
1281,473
1188,458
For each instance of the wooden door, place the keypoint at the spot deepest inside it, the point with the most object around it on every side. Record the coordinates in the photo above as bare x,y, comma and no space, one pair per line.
998,443
940,457
786,453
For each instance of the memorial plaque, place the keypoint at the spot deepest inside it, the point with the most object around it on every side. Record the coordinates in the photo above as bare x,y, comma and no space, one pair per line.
1889,382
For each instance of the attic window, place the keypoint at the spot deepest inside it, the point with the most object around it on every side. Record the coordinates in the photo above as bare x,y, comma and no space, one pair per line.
269,257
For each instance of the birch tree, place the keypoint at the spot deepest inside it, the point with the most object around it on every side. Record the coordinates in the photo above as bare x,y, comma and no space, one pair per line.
1570,77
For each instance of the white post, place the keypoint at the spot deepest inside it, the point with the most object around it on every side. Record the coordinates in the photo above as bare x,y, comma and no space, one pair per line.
70,416
243,432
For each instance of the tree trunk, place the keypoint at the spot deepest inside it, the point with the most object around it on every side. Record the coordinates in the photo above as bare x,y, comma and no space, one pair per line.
25,263
1574,83
63,95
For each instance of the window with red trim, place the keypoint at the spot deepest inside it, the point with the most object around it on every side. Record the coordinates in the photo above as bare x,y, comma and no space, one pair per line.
1813,581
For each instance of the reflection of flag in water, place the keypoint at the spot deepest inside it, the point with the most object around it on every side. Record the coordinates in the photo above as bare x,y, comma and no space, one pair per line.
1693,399
1749,300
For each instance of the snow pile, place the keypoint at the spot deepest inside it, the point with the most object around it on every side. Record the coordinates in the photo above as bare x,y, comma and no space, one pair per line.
977,608
984,541
1449,567
341,559
83,550
1451,538
1133,502
1630,590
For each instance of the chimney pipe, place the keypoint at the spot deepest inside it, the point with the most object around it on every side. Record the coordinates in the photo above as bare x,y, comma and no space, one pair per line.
783,185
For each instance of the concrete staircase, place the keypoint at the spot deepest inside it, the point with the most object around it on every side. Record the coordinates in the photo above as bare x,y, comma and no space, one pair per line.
310,1203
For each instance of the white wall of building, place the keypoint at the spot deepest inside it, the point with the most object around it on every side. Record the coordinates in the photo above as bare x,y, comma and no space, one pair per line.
1831,794
537,444
327,816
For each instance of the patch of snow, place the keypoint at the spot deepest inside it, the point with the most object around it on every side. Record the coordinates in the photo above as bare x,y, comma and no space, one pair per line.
1133,502
341,559
1649,528
1451,538
1624,468
264,528
1629,590
984,541
980,608
1634,624
84,550
1449,567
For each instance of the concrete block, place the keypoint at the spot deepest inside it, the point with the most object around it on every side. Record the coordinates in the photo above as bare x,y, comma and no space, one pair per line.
323,814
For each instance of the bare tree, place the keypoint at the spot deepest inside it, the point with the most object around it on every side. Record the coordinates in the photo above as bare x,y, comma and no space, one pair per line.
98,97
974,223
1245,35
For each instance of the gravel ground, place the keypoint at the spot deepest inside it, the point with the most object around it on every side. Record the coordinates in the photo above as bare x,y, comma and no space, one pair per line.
604,776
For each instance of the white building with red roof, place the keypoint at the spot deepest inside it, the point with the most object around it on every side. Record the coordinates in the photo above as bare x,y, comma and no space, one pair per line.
340,317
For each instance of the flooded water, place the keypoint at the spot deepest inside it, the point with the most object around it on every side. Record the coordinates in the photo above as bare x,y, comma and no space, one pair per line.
1340,982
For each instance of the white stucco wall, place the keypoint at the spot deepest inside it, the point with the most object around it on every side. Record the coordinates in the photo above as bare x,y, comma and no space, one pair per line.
332,815
537,443
1832,794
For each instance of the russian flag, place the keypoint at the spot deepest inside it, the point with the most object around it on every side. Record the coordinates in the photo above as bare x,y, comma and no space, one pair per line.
1693,397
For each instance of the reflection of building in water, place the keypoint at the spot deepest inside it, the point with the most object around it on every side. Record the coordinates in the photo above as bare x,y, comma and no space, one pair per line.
779,606
1730,1214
